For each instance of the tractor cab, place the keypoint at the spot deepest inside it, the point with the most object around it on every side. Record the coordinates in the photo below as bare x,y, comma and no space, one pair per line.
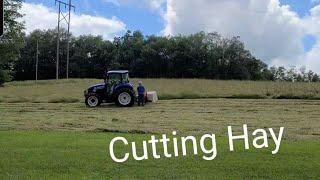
114,78
116,88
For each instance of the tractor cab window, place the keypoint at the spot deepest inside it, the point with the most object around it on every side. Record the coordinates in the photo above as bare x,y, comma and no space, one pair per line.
114,79
125,78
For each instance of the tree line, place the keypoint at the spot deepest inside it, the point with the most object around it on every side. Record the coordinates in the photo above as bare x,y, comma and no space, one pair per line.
200,55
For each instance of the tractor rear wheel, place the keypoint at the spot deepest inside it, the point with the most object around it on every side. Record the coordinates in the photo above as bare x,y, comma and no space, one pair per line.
125,98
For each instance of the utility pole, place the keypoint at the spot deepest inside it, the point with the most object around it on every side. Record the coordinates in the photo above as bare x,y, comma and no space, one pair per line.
67,17
37,60
58,43
1,17
68,39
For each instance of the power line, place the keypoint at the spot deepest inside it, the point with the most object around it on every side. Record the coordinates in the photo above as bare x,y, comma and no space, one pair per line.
67,18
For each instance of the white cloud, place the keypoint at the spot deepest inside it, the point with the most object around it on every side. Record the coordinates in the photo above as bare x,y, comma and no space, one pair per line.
156,4
38,16
271,31
115,2
312,25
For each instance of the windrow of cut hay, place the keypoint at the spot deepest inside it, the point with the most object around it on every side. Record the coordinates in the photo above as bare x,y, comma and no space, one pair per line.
71,91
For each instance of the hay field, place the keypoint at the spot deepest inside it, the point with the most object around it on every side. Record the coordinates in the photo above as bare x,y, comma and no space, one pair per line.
198,116
71,91
46,130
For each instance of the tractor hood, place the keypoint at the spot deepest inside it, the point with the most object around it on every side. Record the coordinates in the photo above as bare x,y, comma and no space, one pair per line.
95,87
98,85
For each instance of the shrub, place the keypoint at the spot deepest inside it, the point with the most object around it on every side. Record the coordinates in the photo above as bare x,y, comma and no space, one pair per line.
4,77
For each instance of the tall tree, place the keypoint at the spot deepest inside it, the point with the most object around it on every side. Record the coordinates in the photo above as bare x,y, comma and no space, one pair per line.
12,40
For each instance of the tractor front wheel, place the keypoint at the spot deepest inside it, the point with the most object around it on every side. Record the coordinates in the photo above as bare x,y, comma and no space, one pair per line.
125,98
93,101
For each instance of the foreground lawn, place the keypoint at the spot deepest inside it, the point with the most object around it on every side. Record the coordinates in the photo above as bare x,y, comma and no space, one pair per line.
299,117
66,91
75,155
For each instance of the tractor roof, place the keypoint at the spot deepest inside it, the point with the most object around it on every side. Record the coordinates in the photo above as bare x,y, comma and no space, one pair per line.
118,72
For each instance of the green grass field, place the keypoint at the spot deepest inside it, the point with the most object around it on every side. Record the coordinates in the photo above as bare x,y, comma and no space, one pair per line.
46,131
76,155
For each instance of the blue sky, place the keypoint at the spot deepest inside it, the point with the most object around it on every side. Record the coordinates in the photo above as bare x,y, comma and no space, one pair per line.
302,7
150,22
272,32
135,17
143,19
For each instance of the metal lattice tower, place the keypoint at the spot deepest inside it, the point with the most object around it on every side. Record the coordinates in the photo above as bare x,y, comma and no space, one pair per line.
63,16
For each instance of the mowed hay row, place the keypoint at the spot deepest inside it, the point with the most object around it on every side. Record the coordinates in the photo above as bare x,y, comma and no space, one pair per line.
299,117
195,88
71,91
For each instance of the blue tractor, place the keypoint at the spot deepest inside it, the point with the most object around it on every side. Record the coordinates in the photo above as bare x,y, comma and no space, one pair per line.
116,88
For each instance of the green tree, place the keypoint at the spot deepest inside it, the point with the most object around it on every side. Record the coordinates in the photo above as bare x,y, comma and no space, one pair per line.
91,57
25,66
12,40
200,55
